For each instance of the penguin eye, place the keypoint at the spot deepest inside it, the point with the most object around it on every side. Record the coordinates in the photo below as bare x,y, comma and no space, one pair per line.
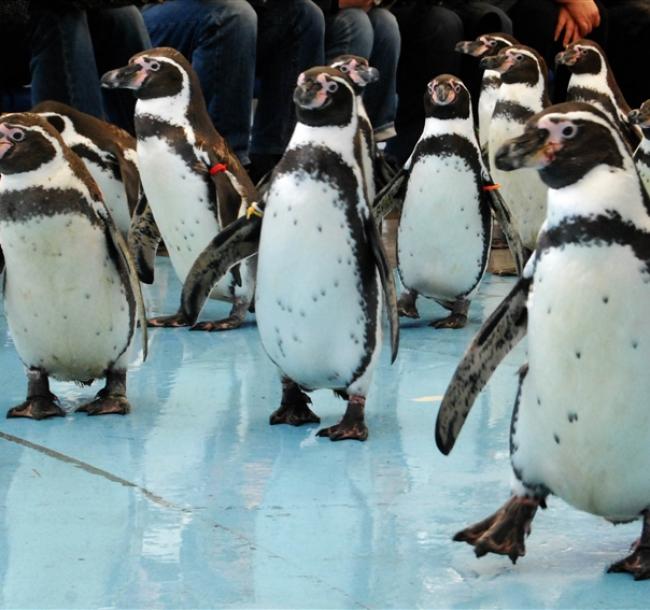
345,69
569,131
491,43
154,66
430,87
456,87
17,135
331,86
519,57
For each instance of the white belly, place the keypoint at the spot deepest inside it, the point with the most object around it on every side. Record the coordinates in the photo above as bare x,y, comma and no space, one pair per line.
584,418
66,307
180,204
644,173
310,310
114,195
486,103
441,239
524,192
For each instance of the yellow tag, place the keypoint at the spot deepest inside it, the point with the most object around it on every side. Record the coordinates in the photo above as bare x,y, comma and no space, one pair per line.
253,210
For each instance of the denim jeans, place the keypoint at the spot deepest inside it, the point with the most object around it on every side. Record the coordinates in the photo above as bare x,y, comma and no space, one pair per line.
375,36
228,43
70,49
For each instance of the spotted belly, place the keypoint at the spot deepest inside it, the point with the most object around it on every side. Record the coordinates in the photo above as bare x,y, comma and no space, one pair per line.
317,322
441,238
583,426
67,307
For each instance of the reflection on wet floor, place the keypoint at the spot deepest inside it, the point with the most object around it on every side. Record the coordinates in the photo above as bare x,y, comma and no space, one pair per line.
194,501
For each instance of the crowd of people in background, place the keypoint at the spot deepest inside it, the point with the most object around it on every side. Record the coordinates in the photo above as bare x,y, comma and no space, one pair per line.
246,50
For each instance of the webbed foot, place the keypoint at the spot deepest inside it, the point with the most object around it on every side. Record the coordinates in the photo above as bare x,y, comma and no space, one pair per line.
638,562
228,323
406,305
454,320
293,409
37,407
352,426
503,532
107,405
175,321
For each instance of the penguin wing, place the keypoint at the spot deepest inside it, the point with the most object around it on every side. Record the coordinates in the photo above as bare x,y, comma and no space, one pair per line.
143,240
2,261
502,214
498,335
391,196
387,282
237,241
130,179
126,265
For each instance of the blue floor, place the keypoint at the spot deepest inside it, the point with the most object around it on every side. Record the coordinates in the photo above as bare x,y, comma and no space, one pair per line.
194,501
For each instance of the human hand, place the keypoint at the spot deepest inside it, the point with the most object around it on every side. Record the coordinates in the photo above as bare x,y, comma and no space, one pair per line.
366,5
567,24
585,13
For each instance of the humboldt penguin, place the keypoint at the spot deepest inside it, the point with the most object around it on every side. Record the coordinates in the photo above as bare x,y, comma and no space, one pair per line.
194,183
321,266
71,293
641,118
581,424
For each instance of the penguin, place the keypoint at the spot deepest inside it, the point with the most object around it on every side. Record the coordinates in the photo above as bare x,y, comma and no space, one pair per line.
318,248
581,424
194,183
486,45
445,228
71,293
592,80
361,74
108,152
523,93
641,118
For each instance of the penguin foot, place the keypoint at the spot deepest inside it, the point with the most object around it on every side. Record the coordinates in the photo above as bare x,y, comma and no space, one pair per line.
295,414
37,407
352,426
105,404
226,324
637,564
406,305
175,321
503,532
455,320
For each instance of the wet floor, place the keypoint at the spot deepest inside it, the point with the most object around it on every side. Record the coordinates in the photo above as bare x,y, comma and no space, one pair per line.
194,501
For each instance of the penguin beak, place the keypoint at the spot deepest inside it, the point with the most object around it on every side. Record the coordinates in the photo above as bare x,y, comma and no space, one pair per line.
128,77
640,117
369,75
568,57
475,48
5,143
310,94
442,94
501,63
531,149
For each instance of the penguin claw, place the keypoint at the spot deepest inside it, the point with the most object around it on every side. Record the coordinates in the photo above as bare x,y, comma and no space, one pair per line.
37,407
455,320
217,325
637,564
296,414
175,321
344,431
106,405
407,311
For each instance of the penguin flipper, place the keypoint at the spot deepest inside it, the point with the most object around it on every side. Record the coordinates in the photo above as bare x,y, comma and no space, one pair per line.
387,282
2,261
498,335
391,196
502,214
237,241
130,179
143,240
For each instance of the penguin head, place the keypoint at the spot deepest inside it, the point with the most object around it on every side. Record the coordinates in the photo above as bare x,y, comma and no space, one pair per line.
517,64
357,69
564,142
447,97
582,57
155,73
486,45
641,117
27,142
323,96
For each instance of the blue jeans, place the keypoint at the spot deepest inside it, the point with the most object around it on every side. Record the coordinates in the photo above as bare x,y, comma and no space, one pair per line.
375,36
70,49
228,43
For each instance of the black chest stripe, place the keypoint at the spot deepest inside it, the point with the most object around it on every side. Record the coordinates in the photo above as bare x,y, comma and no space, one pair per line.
512,111
87,153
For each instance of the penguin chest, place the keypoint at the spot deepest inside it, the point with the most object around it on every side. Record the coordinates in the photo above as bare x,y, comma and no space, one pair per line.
317,297
114,194
68,309
583,426
443,233
180,201
486,103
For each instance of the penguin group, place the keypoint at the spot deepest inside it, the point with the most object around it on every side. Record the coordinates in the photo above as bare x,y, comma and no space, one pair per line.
84,208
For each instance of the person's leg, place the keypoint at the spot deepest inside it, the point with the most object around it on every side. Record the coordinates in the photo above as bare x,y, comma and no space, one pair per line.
348,32
62,61
219,38
117,34
290,40
380,98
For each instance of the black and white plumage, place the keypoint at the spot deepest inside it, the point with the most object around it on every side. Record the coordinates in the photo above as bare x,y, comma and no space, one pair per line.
445,227
592,81
71,293
194,183
321,264
523,93
486,45
581,423
108,152
641,118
